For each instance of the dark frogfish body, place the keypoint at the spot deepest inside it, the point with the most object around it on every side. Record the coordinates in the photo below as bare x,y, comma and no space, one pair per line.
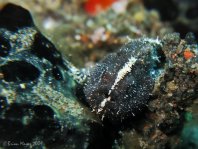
120,85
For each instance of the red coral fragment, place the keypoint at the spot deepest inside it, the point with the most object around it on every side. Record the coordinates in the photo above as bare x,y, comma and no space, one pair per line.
188,54
93,7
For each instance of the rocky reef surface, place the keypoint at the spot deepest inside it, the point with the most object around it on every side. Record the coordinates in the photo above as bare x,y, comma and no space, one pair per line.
37,90
141,96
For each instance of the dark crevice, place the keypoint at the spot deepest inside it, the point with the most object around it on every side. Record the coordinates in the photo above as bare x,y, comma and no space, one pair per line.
161,58
57,73
102,137
43,48
19,71
13,17
4,47
42,111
